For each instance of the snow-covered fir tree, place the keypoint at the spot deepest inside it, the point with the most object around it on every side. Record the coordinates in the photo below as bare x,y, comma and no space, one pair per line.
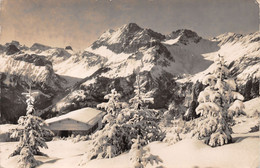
112,106
142,119
31,132
216,107
141,98
123,126
112,140
144,122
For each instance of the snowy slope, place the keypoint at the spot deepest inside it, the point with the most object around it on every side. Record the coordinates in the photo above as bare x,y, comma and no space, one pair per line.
241,53
244,153
188,153
79,65
252,106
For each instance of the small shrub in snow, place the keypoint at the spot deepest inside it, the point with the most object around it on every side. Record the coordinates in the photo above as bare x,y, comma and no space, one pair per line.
141,156
215,106
76,139
169,115
56,138
79,138
179,130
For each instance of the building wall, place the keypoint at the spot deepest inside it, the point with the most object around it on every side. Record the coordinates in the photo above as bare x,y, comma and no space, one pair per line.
74,127
68,124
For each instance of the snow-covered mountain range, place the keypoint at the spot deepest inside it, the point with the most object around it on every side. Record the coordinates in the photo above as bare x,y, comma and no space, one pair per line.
170,63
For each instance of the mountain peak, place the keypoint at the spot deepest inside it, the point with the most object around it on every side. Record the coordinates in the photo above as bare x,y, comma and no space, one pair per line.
39,46
128,38
186,32
68,48
185,36
227,37
12,49
132,27
13,42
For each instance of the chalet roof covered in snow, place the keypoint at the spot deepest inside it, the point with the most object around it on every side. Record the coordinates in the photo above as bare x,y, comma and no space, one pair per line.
85,115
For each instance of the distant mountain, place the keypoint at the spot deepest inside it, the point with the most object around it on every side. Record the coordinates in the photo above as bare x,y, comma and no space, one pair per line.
20,69
172,64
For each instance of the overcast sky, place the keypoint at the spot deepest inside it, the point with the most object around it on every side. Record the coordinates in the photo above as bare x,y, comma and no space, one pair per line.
80,22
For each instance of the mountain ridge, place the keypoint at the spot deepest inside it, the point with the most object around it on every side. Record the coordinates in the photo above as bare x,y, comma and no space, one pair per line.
170,63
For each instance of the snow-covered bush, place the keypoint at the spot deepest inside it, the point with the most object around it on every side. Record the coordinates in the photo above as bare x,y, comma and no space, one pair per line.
31,132
173,134
236,108
168,115
174,111
141,156
215,106
180,130
108,142
79,138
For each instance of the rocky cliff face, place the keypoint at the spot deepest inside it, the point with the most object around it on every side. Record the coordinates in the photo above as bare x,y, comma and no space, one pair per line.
19,71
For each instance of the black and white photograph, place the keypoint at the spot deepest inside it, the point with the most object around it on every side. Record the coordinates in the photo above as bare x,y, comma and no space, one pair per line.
129,83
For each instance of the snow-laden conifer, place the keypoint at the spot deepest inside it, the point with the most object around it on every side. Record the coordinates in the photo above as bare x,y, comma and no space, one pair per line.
141,118
141,97
31,132
112,140
122,126
144,126
112,106
215,106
